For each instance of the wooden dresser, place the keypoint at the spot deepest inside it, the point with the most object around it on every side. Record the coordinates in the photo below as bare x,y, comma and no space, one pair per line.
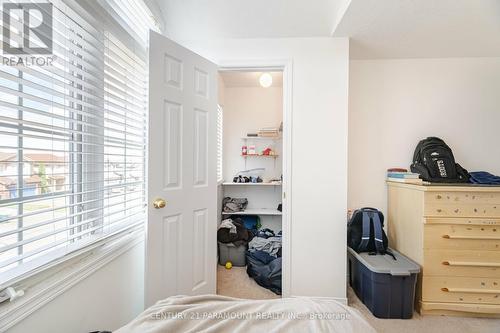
453,232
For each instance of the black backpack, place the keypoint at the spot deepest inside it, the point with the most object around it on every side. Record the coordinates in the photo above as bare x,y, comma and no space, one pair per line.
434,161
365,232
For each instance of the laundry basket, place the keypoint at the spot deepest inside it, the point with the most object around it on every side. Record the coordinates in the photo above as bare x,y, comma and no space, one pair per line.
234,254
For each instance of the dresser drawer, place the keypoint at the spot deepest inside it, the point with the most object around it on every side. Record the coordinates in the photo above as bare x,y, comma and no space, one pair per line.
461,290
467,263
464,234
462,204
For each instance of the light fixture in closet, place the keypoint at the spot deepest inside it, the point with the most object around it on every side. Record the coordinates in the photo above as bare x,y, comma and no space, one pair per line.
266,80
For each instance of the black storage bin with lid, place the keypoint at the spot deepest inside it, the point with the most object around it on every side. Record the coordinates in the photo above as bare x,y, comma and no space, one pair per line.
386,286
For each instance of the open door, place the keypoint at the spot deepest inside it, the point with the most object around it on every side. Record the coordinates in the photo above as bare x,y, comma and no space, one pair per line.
181,249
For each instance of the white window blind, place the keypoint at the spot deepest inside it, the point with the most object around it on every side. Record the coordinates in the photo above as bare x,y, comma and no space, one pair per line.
134,15
220,142
72,146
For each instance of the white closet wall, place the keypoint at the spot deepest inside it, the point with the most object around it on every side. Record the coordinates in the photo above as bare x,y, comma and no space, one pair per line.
248,109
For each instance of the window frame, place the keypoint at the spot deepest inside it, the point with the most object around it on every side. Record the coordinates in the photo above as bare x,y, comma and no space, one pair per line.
75,151
76,157
110,243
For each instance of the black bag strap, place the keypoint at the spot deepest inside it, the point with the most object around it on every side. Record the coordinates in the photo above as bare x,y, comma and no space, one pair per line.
379,241
377,227
389,252
365,232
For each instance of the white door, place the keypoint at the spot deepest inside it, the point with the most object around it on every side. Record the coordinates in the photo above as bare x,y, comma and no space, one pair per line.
181,248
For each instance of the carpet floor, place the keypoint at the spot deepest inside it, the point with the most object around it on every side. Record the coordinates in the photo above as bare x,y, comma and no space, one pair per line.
235,282
427,324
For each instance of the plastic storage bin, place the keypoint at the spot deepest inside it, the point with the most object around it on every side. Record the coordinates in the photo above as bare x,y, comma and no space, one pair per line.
386,286
232,253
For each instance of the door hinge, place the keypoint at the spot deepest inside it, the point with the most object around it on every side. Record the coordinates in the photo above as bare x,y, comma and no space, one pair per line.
284,195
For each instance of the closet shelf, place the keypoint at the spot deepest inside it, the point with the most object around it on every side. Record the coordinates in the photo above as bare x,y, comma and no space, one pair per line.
259,155
251,184
256,211
268,138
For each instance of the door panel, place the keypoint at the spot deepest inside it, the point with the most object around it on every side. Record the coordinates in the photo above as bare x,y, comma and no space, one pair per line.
172,142
181,243
201,83
170,251
200,147
200,277
173,71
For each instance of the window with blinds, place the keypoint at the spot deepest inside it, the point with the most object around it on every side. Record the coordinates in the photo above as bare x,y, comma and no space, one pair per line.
133,14
220,142
72,146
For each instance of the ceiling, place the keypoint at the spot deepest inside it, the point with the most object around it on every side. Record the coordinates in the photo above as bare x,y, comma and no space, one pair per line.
421,28
377,28
234,79
195,19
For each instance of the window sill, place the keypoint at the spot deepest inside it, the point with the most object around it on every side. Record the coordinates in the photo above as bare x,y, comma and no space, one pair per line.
47,285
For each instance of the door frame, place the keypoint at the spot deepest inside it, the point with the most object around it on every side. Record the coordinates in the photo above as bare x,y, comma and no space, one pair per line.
285,66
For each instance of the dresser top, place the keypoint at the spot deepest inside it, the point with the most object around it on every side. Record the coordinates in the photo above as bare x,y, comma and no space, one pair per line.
438,187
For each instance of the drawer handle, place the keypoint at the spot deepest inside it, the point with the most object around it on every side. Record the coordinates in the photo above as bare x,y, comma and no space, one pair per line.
472,237
472,264
470,290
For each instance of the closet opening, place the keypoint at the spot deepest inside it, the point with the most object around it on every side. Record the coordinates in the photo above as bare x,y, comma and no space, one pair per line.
251,150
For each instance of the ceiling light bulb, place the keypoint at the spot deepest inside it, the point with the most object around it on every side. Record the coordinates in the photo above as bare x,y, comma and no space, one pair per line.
266,80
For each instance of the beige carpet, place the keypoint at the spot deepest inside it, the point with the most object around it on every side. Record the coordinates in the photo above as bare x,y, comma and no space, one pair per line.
235,282
427,324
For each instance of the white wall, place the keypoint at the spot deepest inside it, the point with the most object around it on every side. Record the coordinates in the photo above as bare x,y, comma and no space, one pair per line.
395,103
319,151
105,300
114,295
247,109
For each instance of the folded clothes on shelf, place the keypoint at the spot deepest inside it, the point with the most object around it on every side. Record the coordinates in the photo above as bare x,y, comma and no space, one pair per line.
233,205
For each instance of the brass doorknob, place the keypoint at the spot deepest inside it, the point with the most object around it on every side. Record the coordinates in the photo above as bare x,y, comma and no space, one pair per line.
159,203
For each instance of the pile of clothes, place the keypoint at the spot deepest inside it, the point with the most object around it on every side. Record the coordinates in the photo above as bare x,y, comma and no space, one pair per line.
264,260
484,178
233,231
